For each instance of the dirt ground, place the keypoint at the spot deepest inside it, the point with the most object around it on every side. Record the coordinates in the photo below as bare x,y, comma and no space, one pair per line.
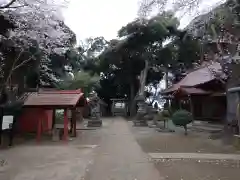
107,153
118,150
48,160
152,141
198,170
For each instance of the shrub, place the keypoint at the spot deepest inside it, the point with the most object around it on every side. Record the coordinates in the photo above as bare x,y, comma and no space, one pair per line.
182,118
59,117
162,116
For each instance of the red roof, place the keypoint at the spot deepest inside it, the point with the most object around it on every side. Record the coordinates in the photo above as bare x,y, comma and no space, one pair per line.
196,77
62,98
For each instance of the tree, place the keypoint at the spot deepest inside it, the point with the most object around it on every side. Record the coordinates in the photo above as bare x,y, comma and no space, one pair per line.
140,55
182,118
81,80
220,29
147,6
32,34
77,69
7,4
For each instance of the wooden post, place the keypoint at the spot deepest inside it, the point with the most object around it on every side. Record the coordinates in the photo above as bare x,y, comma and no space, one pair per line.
39,130
74,121
191,105
53,118
65,131
180,105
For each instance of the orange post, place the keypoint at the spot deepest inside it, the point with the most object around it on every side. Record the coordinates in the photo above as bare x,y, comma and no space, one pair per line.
65,131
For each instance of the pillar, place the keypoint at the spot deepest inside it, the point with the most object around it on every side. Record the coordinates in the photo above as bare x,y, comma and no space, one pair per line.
65,131
74,119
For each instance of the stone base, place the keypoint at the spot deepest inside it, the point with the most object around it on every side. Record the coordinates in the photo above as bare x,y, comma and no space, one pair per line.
4,140
140,123
165,130
236,141
56,135
94,123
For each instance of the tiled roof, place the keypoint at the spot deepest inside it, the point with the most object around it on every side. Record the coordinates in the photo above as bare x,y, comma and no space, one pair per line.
199,76
192,90
54,98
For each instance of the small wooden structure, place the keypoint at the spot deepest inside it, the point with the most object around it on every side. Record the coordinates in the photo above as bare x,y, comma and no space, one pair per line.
201,93
39,110
119,107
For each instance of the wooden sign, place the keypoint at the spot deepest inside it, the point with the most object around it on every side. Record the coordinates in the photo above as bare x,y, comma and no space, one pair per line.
7,122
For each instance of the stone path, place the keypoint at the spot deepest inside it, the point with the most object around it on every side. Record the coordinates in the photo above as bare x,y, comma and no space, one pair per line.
194,156
119,157
46,162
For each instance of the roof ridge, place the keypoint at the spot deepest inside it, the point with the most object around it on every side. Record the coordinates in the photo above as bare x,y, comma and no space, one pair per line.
201,67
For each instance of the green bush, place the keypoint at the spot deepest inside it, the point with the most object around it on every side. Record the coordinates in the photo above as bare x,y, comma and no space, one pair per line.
59,117
182,118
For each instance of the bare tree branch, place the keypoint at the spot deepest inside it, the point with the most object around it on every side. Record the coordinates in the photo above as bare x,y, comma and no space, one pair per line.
24,62
14,66
8,5
15,61
14,7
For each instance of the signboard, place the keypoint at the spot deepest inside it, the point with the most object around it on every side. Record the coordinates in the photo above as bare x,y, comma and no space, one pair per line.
7,122
119,105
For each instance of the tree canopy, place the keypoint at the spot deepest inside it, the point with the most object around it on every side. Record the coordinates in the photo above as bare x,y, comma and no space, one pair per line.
43,47
141,40
32,35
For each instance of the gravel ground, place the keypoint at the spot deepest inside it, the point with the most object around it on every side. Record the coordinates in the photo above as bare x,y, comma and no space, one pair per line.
152,141
198,170
187,169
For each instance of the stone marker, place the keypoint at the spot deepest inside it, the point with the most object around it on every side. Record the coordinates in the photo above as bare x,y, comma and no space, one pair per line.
94,103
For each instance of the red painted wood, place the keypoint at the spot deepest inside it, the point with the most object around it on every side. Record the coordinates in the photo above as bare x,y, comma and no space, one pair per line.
39,130
28,122
65,131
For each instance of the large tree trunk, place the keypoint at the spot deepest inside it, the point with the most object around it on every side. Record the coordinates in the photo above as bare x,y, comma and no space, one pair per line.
142,79
132,101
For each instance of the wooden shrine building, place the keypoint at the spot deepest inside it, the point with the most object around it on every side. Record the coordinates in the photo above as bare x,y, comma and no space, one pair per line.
201,93
39,110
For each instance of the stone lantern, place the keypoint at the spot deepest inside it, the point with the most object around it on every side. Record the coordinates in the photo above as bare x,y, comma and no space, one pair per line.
94,103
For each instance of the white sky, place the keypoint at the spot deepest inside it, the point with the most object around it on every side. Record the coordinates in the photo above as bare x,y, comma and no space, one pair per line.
92,18
99,17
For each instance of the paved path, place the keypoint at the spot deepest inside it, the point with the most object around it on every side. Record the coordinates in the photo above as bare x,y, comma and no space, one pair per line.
45,162
194,156
119,157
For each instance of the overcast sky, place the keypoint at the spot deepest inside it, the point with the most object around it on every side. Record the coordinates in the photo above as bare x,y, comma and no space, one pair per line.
92,18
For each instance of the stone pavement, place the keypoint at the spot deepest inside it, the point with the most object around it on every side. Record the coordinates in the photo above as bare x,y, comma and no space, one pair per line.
119,157
194,156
